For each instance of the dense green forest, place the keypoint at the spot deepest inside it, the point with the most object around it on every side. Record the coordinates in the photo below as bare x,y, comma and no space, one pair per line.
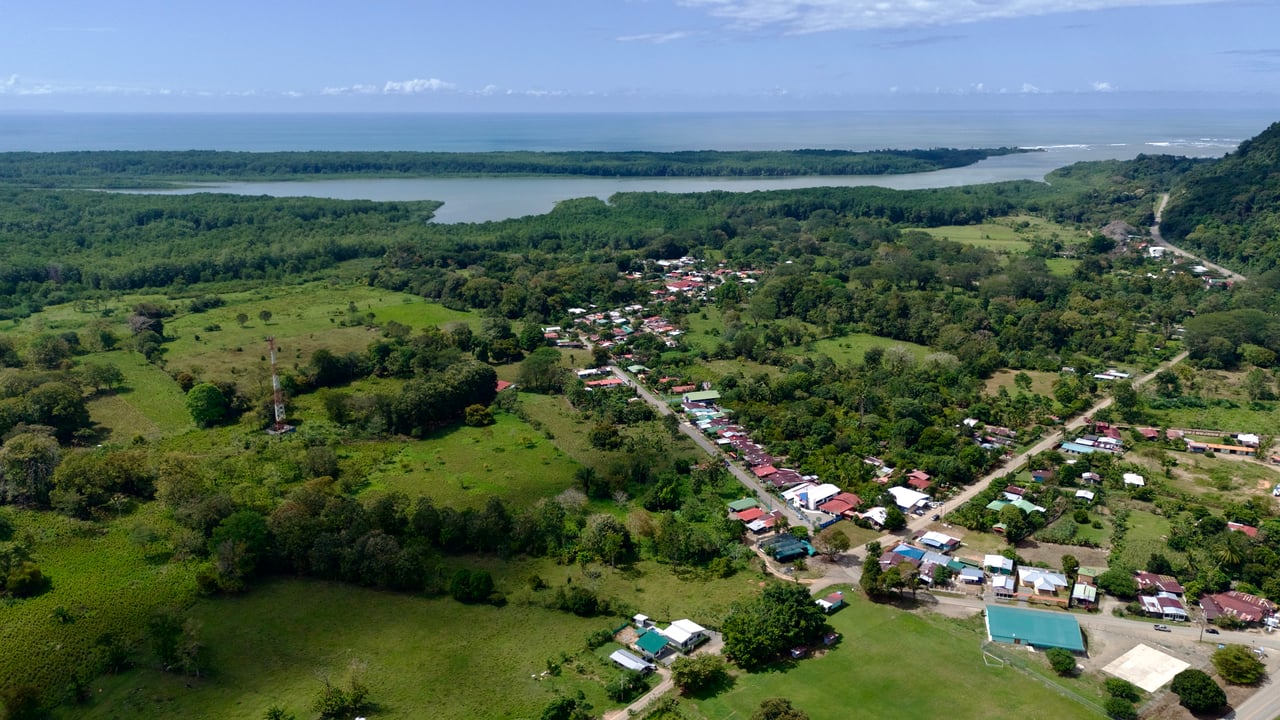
126,168
1229,210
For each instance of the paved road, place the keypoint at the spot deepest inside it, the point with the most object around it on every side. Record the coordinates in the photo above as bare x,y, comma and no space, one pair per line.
1159,240
748,480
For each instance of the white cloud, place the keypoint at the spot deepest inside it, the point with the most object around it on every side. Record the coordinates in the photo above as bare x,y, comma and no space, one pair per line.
417,85
351,90
1099,86
1029,89
810,16
657,38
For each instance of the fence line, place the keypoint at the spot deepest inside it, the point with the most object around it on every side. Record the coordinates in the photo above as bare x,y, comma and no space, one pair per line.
997,650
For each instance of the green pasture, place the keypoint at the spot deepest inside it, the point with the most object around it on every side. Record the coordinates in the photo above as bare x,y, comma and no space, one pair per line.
418,314
465,466
1264,420
1147,534
1011,234
420,657
878,671
1041,382
107,584
848,349
149,403
1061,267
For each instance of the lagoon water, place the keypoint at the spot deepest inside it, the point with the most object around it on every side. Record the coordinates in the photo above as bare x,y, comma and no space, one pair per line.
1064,137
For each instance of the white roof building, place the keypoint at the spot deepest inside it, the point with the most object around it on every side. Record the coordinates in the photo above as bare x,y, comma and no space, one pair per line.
998,563
1085,494
1041,580
906,498
939,540
1134,479
877,515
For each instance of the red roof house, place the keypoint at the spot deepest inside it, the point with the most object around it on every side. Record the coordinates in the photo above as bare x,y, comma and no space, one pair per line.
1242,606
503,385
763,471
1249,530
750,514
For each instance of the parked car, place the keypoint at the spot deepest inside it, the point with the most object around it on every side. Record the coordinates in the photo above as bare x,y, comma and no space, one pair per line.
1211,630
936,517
1162,628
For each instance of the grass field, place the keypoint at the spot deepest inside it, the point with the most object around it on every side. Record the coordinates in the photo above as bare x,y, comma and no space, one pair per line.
420,657
894,664
106,583
851,348
465,466
1011,234
1041,382
569,430
150,404
1146,535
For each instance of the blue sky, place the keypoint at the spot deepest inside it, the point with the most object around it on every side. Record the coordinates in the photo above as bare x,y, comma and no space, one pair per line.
550,55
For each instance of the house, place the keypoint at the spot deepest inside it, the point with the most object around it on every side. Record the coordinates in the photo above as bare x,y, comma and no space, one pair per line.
876,516
1084,595
738,506
631,662
831,603
1247,439
1199,447
1168,608
651,644
919,479
1249,530
503,385
908,499
842,505
605,383
939,541
1241,606
1026,506
1013,492
1162,584
810,497
1090,477
1004,586
1149,433
1041,582
764,523
763,471
751,514
1134,479
701,396
685,635
971,576
1086,495
1041,475
997,564
1074,448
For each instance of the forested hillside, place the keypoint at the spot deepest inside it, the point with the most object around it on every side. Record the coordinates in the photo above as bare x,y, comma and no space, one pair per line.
1229,210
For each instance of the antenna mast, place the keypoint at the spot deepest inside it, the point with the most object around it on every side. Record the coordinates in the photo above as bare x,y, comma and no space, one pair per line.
277,394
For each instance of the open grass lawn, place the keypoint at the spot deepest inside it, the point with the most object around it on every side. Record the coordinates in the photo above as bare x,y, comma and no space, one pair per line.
149,404
1061,267
106,583
420,657
1262,418
1146,535
894,664
418,314
1041,382
465,466
992,235
704,334
569,431
304,318
848,349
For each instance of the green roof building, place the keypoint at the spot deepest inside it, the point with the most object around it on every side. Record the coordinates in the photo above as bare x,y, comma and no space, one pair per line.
1038,628
651,644
743,504
701,396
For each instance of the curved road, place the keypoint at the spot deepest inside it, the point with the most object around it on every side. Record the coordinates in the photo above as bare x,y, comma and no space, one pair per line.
1158,239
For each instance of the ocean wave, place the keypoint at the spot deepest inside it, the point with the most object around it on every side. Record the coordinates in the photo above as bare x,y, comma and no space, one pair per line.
1074,146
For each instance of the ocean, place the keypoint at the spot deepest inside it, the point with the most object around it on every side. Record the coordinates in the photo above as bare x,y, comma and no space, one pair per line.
1063,136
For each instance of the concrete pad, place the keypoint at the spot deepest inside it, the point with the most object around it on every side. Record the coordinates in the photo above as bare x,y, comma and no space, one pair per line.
1146,667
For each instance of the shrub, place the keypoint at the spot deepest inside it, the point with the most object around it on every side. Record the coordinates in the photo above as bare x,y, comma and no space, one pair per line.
1062,661
1197,691
1081,517
334,702
1122,689
1120,709
598,638
1238,665
694,674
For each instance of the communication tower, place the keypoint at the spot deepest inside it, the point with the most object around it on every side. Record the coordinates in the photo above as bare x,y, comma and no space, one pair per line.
277,395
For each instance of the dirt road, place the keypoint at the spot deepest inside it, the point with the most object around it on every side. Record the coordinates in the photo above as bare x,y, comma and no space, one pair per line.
1158,239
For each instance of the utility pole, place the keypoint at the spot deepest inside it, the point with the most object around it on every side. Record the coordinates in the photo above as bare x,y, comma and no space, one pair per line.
277,395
